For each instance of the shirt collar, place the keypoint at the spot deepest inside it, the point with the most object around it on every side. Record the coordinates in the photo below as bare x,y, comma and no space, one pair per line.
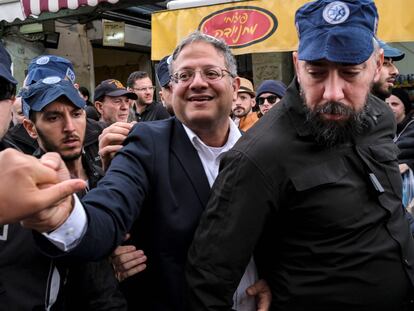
234,135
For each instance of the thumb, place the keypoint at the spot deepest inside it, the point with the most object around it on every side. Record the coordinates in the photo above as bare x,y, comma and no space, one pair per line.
55,193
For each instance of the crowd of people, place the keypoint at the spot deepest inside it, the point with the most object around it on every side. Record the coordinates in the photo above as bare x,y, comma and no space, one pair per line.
221,196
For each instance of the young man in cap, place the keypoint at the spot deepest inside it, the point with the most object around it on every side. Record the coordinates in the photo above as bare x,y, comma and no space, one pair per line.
389,72
113,101
55,117
269,93
314,189
14,201
39,68
145,108
242,111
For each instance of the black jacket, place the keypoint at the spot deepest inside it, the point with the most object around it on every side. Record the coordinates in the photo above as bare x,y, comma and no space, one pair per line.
155,111
326,224
405,141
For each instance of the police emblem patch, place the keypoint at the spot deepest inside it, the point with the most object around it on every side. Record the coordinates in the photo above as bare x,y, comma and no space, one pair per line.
51,80
42,60
336,12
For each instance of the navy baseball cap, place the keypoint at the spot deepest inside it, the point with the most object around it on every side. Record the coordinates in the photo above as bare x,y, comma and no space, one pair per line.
112,87
391,52
162,72
338,31
40,94
5,65
49,66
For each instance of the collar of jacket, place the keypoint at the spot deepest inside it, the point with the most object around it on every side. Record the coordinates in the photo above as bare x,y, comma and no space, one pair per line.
296,109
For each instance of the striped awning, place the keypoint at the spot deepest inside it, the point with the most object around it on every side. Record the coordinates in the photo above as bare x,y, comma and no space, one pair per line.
35,7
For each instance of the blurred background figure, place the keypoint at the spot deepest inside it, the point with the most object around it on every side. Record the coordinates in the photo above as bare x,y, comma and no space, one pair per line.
163,78
145,108
269,93
113,101
17,113
389,72
90,109
400,104
242,109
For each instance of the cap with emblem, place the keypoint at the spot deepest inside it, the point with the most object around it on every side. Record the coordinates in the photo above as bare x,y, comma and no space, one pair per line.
338,31
391,52
5,65
112,87
40,94
49,66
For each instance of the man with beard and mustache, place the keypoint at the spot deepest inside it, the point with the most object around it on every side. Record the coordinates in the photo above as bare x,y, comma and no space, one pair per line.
389,72
313,190
243,114
56,119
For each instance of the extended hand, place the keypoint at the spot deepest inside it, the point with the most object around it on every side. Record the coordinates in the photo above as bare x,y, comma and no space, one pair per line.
23,177
58,210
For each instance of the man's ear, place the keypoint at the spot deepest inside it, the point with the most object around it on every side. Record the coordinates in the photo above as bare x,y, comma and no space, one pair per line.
296,64
379,61
98,105
236,86
30,128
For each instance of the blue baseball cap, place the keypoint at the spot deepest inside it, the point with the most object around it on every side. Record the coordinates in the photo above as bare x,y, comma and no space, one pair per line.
5,65
42,93
162,72
49,66
391,52
338,31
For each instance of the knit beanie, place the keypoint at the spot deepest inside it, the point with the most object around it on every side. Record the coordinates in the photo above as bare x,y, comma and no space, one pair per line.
271,86
404,97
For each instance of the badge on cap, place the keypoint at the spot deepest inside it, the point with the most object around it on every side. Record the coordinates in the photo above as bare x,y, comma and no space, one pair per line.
71,75
51,80
336,12
42,60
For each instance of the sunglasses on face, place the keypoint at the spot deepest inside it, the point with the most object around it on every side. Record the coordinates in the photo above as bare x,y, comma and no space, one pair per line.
272,99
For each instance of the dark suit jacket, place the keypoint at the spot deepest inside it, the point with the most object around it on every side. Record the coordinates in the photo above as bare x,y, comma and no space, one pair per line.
156,188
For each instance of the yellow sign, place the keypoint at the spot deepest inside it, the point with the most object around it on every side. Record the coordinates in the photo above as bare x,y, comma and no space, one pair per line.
113,33
262,25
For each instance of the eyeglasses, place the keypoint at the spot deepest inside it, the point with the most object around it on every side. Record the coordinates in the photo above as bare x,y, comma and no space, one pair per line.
211,74
144,89
272,99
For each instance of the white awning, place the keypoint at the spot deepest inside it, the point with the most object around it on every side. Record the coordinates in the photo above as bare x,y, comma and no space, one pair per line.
11,10
35,7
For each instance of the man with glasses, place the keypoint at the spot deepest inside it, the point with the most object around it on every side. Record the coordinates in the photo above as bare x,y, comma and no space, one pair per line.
158,184
145,108
113,100
269,93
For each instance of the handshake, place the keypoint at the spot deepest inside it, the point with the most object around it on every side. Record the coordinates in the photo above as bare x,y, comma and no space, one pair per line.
36,192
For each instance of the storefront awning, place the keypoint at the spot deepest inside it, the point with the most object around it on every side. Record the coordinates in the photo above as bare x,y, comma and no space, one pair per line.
10,10
35,7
